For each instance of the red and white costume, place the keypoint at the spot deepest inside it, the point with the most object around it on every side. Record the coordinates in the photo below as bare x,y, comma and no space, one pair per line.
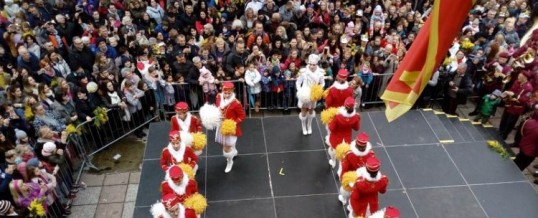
231,109
171,156
191,123
338,92
341,127
388,212
170,207
353,160
307,78
365,191
184,189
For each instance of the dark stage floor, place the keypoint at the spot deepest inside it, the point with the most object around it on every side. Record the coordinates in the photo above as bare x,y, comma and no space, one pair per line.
281,173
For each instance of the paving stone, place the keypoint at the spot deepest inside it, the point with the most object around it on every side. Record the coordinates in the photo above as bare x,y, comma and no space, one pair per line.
89,195
113,194
134,178
83,211
117,179
109,210
132,190
128,210
92,179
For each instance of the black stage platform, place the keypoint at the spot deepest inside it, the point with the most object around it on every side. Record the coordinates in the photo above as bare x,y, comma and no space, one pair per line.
281,173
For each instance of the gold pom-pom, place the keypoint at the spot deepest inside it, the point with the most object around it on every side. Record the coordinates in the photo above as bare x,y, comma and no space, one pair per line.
328,114
316,93
341,150
347,178
227,127
187,169
199,141
197,202
325,93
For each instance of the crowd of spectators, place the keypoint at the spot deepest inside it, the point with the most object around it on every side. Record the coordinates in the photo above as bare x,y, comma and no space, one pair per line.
62,59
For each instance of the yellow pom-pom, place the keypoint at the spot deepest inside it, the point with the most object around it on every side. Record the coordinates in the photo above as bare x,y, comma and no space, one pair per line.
325,93
197,202
328,114
199,141
347,178
341,150
187,169
227,127
316,93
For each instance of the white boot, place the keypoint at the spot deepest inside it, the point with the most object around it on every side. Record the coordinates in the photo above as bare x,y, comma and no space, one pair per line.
229,159
309,122
343,197
303,123
332,160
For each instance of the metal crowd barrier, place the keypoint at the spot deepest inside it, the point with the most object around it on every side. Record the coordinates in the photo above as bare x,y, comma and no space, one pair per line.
93,140
270,97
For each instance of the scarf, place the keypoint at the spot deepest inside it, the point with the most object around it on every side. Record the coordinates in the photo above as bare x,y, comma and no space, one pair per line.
177,155
225,102
114,98
185,125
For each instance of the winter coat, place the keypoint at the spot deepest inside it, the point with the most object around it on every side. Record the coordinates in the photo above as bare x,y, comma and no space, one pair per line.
252,78
207,81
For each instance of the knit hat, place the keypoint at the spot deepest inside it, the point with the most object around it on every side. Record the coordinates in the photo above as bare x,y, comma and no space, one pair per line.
497,93
20,134
4,207
33,162
48,149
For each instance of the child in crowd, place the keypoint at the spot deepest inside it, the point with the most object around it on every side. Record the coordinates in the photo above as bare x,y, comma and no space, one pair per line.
277,87
357,84
488,106
266,88
252,78
169,99
207,81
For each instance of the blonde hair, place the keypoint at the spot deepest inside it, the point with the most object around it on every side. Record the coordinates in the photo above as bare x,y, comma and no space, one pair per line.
15,187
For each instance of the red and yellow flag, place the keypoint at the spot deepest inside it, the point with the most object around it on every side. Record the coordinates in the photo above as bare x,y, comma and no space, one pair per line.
426,53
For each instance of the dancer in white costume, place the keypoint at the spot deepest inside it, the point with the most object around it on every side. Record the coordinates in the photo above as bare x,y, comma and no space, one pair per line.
310,75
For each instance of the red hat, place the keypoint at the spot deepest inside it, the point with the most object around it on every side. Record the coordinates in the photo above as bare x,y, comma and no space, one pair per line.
175,173
227,86
342,74
182,106
170,201
362,139
504,55
392,212
174,136
373,164
349,102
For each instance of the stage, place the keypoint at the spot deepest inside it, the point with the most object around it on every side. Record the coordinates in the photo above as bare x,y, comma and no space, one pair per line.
437,166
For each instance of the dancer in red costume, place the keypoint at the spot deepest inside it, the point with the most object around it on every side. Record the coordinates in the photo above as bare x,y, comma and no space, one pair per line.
341,127
177,152
231,109
339,91
388,212
184,120
365,191
360,150
178,183
171,208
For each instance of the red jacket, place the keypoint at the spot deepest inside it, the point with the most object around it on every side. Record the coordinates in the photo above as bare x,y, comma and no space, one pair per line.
233,111
190,189
184,155
365,193
529,139
336,97
522,94
194,126
354,159
342,127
